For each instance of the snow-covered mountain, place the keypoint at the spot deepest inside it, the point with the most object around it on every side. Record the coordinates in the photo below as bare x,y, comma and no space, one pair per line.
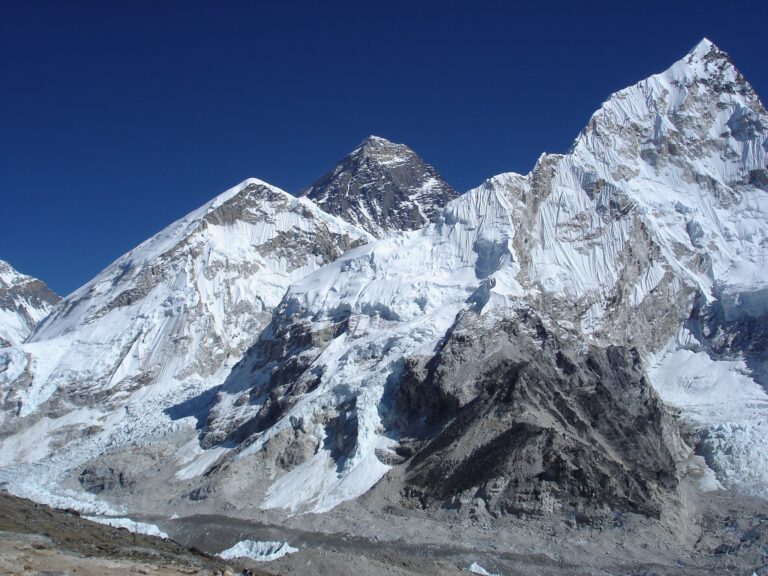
164,322
382,187
541,319
24,301
659,211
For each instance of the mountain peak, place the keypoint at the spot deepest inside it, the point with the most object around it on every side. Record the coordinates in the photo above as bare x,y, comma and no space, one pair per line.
702,48
707,61
704,52
24,301
704,86
376,141
382,151
382,186
8,275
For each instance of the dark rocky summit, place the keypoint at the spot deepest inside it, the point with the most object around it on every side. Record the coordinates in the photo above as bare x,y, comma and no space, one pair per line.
382,187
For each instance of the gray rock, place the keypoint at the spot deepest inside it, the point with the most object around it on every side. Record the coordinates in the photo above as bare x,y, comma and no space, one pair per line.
382,187
534,427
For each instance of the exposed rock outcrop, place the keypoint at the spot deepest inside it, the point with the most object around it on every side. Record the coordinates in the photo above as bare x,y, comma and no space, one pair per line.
382,187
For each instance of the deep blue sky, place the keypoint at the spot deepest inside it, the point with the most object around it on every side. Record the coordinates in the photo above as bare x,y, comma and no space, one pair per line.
118,117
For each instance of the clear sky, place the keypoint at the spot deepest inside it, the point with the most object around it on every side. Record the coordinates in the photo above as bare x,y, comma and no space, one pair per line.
117,117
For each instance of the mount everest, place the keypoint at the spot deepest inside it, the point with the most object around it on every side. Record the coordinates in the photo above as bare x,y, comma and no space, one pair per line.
527,344
382,187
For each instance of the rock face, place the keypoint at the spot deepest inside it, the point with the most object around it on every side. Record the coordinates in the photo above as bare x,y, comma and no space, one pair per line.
532,426
382,187
24,301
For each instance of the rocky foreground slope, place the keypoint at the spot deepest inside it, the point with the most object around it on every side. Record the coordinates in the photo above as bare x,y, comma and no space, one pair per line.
550,346
37,540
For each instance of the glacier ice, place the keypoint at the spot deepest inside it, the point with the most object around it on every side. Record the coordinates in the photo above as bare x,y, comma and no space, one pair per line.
262,551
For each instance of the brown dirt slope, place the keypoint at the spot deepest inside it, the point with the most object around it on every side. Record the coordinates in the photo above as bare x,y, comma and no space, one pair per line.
36,539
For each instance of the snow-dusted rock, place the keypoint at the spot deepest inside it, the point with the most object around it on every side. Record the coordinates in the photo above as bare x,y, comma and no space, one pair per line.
382,187
24,301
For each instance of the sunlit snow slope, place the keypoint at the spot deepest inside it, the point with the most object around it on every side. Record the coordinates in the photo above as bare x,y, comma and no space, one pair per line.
162,323
24,301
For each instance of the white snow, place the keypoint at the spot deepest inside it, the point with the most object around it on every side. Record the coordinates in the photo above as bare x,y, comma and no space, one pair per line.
33,443
261,551
576,253
723,400
197,460
315,484
21,313
647,283
132,525
204,289
710,391
475,568
708,481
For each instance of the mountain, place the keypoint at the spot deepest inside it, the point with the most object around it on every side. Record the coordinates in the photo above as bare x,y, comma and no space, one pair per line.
518,324
382,187
164,322
24,301
548,344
